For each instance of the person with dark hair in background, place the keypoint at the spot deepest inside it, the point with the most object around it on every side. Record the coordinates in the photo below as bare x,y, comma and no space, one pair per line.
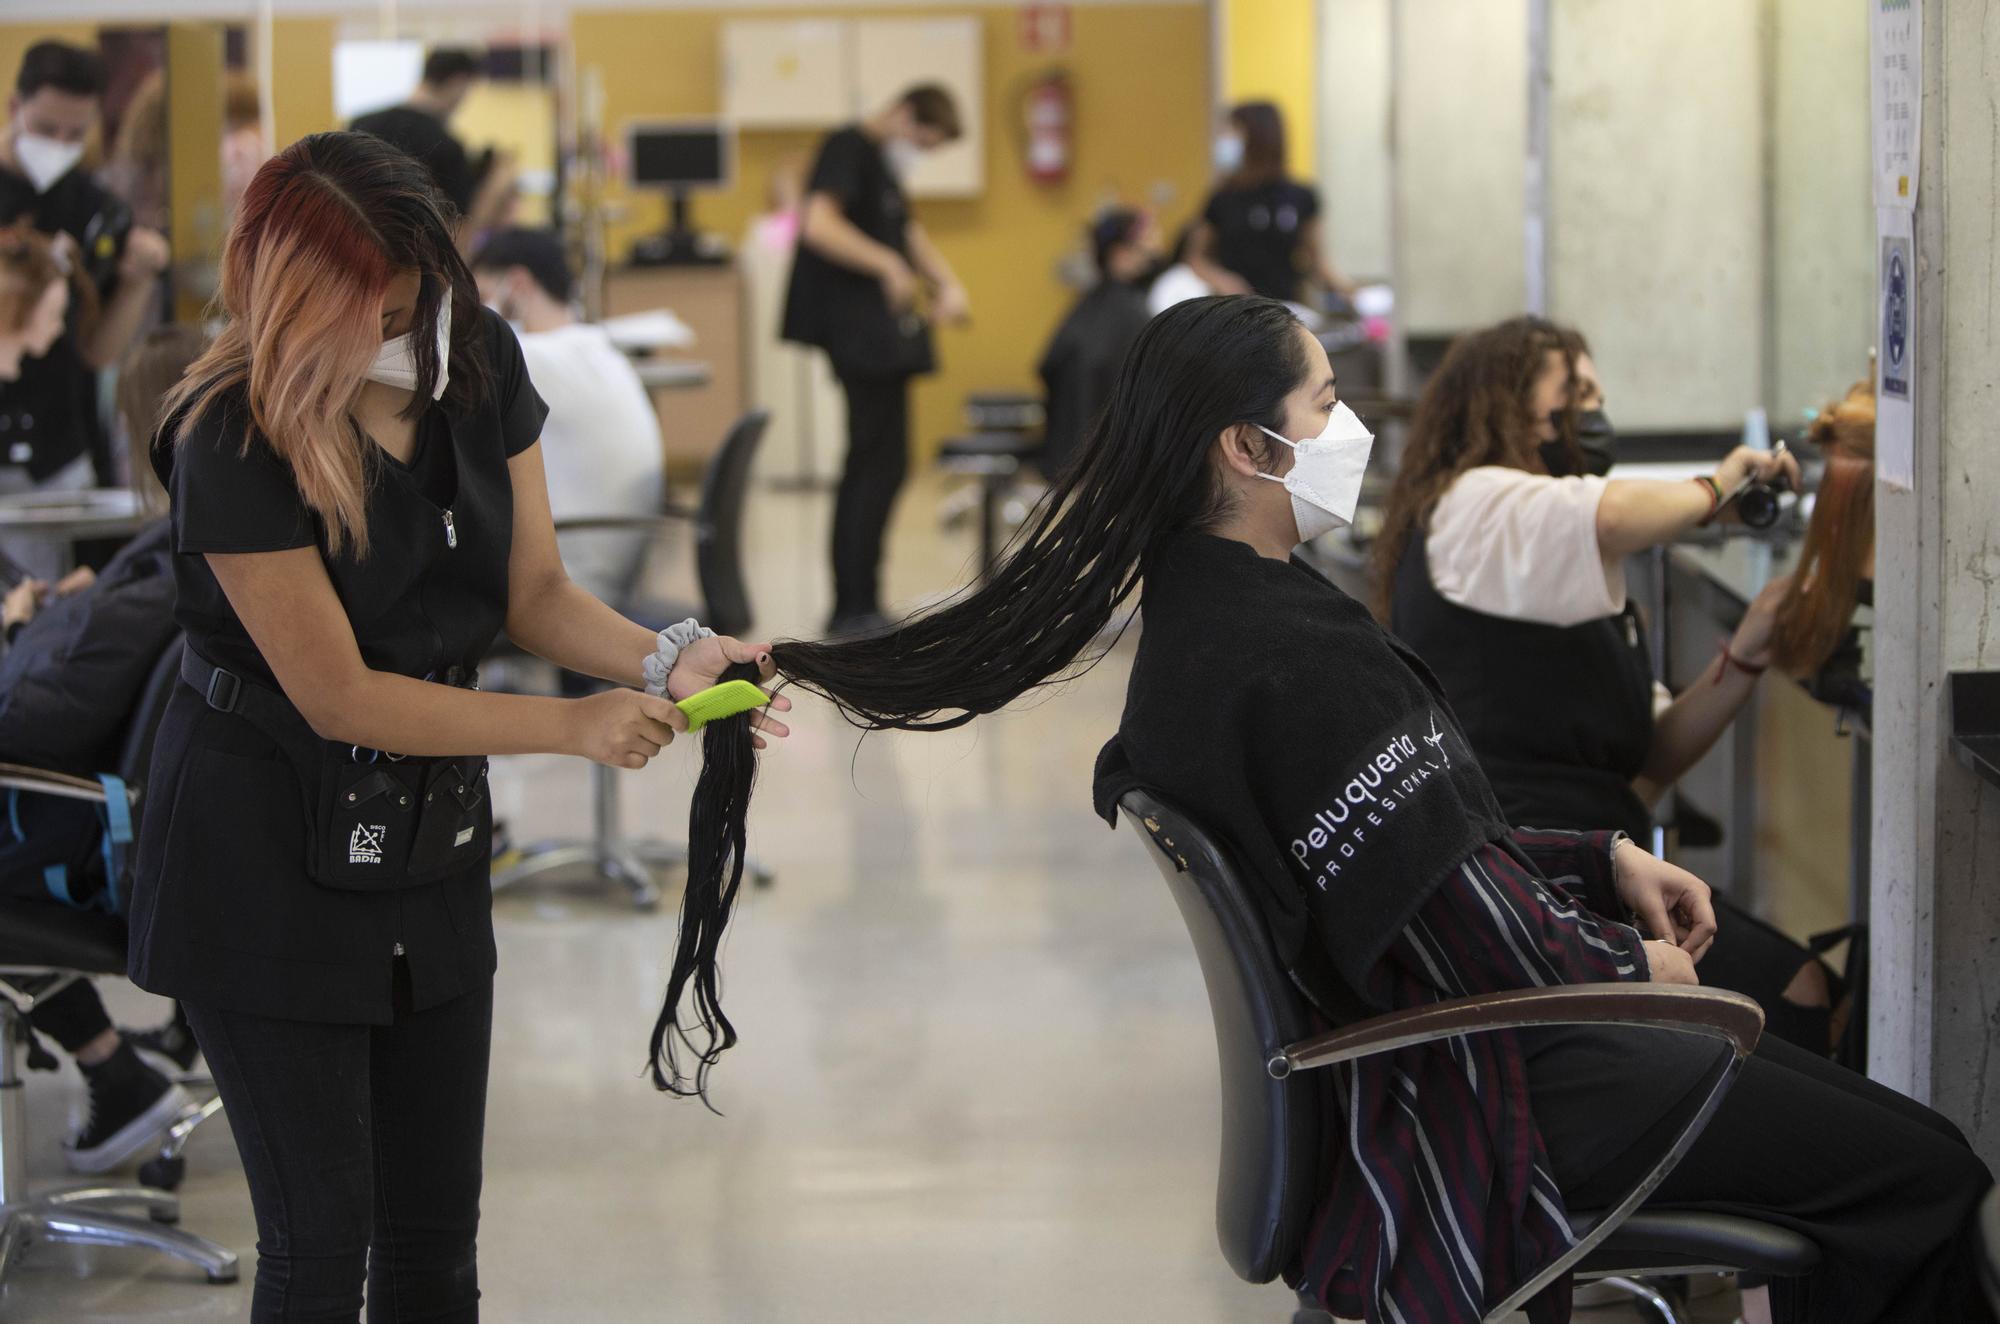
854,293
420,126
602,435
51,436
1082,359
1260,231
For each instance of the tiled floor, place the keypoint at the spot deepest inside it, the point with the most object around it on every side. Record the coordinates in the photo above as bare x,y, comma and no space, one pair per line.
976,1081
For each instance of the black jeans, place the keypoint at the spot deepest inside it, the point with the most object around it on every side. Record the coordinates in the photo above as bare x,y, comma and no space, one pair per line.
1888,1188
878,459
362,1147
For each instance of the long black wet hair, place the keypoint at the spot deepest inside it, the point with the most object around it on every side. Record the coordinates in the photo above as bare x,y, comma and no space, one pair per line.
1144,474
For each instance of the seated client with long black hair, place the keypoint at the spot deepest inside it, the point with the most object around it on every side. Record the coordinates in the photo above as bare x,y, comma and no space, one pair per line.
1273,706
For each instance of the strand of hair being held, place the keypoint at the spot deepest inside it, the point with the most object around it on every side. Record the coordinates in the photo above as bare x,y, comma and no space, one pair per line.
682,1055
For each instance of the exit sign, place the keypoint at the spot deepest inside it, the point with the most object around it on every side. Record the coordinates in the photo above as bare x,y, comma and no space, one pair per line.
1045,29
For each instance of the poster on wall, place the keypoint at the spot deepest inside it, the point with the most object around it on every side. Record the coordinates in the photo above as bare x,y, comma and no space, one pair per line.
1896,99
1895,351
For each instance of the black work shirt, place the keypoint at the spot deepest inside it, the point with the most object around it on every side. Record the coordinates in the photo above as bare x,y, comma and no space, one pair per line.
48,416
836,307
424,136
224,911
1259,231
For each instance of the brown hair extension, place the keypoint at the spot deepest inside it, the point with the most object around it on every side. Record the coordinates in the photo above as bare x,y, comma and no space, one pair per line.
1816,611
1474,411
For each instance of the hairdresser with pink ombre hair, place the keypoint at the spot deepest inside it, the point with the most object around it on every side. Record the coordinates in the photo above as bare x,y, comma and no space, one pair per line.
358,510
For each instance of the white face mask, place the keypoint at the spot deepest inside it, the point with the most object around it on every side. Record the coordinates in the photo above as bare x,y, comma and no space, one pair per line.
1325,478
902,156
1228,153
396,362
45,160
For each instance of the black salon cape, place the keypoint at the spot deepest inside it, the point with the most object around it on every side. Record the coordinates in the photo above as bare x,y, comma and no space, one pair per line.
1272,708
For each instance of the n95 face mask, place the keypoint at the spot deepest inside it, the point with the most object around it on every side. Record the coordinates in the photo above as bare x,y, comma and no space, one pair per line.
1326,473
45,160
396,362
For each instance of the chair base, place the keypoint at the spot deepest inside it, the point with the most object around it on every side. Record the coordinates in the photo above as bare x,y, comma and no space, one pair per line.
89,1216
620,866
1666,1309
631,865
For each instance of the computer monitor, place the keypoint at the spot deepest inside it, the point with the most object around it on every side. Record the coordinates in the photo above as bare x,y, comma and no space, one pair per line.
679,156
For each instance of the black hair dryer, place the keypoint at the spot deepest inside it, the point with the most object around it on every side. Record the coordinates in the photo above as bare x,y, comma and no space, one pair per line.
1757,502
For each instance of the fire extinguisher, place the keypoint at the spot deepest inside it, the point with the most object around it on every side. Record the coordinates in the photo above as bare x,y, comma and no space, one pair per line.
1046,115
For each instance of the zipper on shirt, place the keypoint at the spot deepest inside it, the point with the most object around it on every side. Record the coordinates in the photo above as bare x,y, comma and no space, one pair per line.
450,530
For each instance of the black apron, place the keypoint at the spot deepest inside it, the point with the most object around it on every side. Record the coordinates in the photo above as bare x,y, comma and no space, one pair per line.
1561,717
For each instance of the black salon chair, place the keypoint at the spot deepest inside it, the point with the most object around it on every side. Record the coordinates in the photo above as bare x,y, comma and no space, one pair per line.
1274,1103
1004,438
44,947
717,524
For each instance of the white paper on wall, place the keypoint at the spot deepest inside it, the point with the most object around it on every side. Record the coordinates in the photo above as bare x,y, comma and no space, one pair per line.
1896,351
1896,84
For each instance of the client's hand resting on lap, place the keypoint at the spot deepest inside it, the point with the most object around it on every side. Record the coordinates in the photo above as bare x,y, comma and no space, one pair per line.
1673,907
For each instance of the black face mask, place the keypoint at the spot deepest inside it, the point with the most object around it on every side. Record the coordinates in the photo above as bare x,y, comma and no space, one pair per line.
1594,436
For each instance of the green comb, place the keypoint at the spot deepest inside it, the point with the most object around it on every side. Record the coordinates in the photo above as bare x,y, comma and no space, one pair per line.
719,701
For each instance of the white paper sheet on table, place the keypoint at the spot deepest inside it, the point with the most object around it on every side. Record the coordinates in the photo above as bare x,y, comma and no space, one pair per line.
653,329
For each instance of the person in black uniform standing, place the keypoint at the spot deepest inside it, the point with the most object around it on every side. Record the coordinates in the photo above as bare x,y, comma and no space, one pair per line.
358,509
1260,232
421,127
853,293
50,434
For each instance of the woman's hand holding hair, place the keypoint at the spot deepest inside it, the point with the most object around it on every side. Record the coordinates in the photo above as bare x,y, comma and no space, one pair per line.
1672,904
701,665
1670,965
1751,643
624,728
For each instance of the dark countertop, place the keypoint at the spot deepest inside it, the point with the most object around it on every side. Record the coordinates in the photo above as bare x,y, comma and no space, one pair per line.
1975,722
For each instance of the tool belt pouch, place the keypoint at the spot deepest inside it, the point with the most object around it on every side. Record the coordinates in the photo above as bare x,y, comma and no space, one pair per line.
384,826
454,819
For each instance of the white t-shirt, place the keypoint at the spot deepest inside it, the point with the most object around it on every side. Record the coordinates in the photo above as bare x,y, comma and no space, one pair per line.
1177,284
600,446
1524,546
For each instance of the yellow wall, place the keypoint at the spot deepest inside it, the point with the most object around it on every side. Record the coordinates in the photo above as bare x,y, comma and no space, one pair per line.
1268,53
302,78
1138,74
